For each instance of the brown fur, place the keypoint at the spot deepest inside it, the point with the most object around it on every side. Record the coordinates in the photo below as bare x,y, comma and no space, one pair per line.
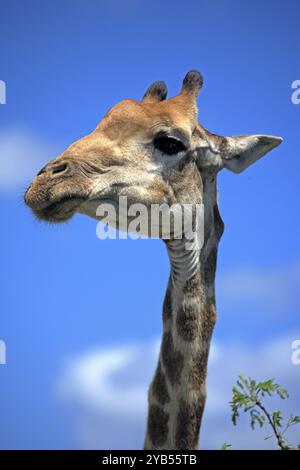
172,359
197,375
159,386
167,306
188,424
188,323
157,425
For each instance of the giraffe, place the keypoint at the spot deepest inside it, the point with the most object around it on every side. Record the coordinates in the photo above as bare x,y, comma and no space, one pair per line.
155,151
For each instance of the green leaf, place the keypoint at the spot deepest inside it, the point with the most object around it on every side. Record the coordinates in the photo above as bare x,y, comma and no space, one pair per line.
295,419
277,418
248,396
225,446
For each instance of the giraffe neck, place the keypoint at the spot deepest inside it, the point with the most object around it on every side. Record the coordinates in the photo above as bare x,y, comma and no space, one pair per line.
177,393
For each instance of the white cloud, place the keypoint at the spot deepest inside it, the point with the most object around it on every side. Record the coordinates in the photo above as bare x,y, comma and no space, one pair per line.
108,391
21,156
100,379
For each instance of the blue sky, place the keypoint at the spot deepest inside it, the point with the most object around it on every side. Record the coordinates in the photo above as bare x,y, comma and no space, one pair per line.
70,302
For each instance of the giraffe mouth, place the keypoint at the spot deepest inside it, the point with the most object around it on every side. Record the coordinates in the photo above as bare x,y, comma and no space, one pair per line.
59,210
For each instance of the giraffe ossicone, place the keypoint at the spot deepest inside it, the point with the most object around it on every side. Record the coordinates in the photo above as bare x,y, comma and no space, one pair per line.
154,151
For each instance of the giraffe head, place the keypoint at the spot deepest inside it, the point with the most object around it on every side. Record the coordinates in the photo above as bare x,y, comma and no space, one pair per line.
153,151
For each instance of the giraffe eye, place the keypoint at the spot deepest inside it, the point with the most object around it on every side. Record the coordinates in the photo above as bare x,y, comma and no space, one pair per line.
169,145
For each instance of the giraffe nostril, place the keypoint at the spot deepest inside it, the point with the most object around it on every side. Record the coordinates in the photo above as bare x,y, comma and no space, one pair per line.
60,168
54,168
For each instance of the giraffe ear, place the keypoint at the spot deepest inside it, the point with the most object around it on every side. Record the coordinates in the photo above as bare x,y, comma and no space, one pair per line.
156,92
192,83
239,152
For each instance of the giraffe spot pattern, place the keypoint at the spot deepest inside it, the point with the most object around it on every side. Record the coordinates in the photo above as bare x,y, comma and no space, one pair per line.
208,322
210,267
197,375
188,424
187,322
167,307
158,425
159,386
172,359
